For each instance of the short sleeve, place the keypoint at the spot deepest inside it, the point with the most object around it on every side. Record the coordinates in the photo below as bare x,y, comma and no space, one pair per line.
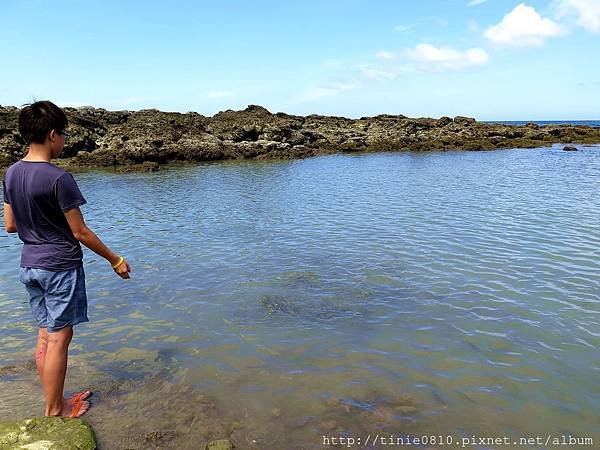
67,192
5,192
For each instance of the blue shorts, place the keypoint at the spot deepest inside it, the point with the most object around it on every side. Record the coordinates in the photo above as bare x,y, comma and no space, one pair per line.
57,299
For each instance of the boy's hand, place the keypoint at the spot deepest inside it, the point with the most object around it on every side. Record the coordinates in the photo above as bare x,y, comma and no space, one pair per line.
88,238
123,269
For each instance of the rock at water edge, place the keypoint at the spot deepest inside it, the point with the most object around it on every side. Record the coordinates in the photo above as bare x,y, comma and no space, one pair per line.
47,433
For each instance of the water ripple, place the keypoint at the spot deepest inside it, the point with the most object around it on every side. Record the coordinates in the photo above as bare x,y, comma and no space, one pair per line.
471,278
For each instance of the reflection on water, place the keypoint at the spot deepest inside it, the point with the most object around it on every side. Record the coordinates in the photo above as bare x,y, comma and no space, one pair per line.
276,302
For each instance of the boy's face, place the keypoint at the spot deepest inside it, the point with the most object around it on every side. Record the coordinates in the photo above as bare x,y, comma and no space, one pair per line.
56,139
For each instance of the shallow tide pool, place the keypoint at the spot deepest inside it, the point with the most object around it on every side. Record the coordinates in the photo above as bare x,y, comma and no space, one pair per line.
282,303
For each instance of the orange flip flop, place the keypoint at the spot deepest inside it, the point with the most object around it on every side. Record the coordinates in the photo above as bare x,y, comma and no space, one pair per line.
76,408
79,396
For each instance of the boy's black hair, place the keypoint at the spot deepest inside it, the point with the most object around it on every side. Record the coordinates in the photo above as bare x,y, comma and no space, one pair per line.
37,119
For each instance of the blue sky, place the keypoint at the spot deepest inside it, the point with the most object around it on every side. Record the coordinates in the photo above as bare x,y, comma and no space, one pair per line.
491,59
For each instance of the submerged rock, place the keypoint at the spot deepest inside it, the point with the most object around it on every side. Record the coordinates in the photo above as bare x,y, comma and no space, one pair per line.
146,166
47,433
274,304
220,444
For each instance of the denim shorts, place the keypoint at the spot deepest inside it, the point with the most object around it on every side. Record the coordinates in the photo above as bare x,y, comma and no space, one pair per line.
57,299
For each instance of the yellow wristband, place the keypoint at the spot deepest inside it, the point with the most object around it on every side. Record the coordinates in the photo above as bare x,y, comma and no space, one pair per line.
121,259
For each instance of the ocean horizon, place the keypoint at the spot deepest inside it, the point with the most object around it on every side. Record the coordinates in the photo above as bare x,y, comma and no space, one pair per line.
588,123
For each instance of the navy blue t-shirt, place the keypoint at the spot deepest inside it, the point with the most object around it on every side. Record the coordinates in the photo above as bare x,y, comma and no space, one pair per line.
39,193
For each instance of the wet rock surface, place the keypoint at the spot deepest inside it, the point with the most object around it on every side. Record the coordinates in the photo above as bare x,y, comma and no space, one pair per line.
101,138
47,433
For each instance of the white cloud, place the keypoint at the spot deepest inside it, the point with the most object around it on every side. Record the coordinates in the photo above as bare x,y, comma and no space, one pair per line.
341,87
446,58
476,2
523,27
406,28
387,66
378,74
585,12
384,54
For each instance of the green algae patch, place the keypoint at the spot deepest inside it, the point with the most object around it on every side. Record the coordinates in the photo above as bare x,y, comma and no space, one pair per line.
220,444
46,433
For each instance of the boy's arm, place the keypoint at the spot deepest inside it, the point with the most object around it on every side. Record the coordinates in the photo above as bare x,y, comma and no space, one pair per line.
87,237
9,219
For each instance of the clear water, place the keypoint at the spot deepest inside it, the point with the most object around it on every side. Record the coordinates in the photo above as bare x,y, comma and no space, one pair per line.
588,123
445,293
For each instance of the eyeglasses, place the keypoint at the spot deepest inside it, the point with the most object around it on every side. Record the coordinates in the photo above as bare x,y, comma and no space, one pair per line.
65,134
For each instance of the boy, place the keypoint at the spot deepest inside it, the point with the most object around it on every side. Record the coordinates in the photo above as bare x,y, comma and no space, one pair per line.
41,204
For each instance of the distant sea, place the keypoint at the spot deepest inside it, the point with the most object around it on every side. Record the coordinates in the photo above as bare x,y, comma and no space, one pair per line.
589,123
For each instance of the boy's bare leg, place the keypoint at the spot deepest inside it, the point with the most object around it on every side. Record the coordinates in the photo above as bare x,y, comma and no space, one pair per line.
40,358
40,352
54,372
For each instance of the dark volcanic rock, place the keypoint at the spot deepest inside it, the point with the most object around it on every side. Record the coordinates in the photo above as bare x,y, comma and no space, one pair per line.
11,144
464,120
101,138
146,166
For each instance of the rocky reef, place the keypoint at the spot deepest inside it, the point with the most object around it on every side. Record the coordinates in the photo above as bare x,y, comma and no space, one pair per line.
140,140
60,433
47,433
